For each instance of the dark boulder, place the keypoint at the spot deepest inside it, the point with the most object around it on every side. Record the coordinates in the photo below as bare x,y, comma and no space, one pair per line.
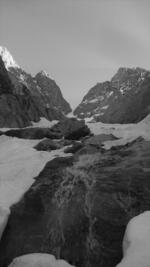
72,129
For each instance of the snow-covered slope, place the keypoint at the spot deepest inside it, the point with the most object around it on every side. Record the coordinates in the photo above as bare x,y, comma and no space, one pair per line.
125,132
136,243
7,58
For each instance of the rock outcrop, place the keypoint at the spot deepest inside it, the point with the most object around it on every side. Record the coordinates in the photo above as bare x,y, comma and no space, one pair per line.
124,99
78,210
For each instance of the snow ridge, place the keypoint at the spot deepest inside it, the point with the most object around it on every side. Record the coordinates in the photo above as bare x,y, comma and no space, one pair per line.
7,58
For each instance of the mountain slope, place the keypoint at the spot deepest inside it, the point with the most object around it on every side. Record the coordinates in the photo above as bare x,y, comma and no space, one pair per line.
124,99
29,101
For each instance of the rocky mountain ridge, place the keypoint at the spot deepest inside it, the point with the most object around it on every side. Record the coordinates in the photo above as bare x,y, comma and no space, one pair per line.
123,99
27,98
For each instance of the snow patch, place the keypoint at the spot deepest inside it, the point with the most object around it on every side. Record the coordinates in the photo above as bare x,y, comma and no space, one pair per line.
22,77
111,93
94,100
44,123
7,58
136,242
38,259
105,107
71,115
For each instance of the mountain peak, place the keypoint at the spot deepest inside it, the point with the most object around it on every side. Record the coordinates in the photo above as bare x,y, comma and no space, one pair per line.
7,58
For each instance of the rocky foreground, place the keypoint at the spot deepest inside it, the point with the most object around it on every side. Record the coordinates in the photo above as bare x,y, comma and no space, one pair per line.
78,207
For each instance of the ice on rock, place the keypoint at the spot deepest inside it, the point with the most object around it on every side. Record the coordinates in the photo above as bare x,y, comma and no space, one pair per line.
136,242
38,259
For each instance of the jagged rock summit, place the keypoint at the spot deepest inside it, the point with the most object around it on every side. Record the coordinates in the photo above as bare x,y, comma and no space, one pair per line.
24,98
123,99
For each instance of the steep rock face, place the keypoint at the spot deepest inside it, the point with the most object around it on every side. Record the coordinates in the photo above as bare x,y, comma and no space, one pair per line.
21,79
52,92
79,210
124,99
23,100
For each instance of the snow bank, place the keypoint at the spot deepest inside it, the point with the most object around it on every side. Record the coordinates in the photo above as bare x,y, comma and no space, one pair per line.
136,243
125,132
19,164
38,260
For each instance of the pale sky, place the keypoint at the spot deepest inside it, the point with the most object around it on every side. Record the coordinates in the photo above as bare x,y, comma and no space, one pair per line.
78,42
